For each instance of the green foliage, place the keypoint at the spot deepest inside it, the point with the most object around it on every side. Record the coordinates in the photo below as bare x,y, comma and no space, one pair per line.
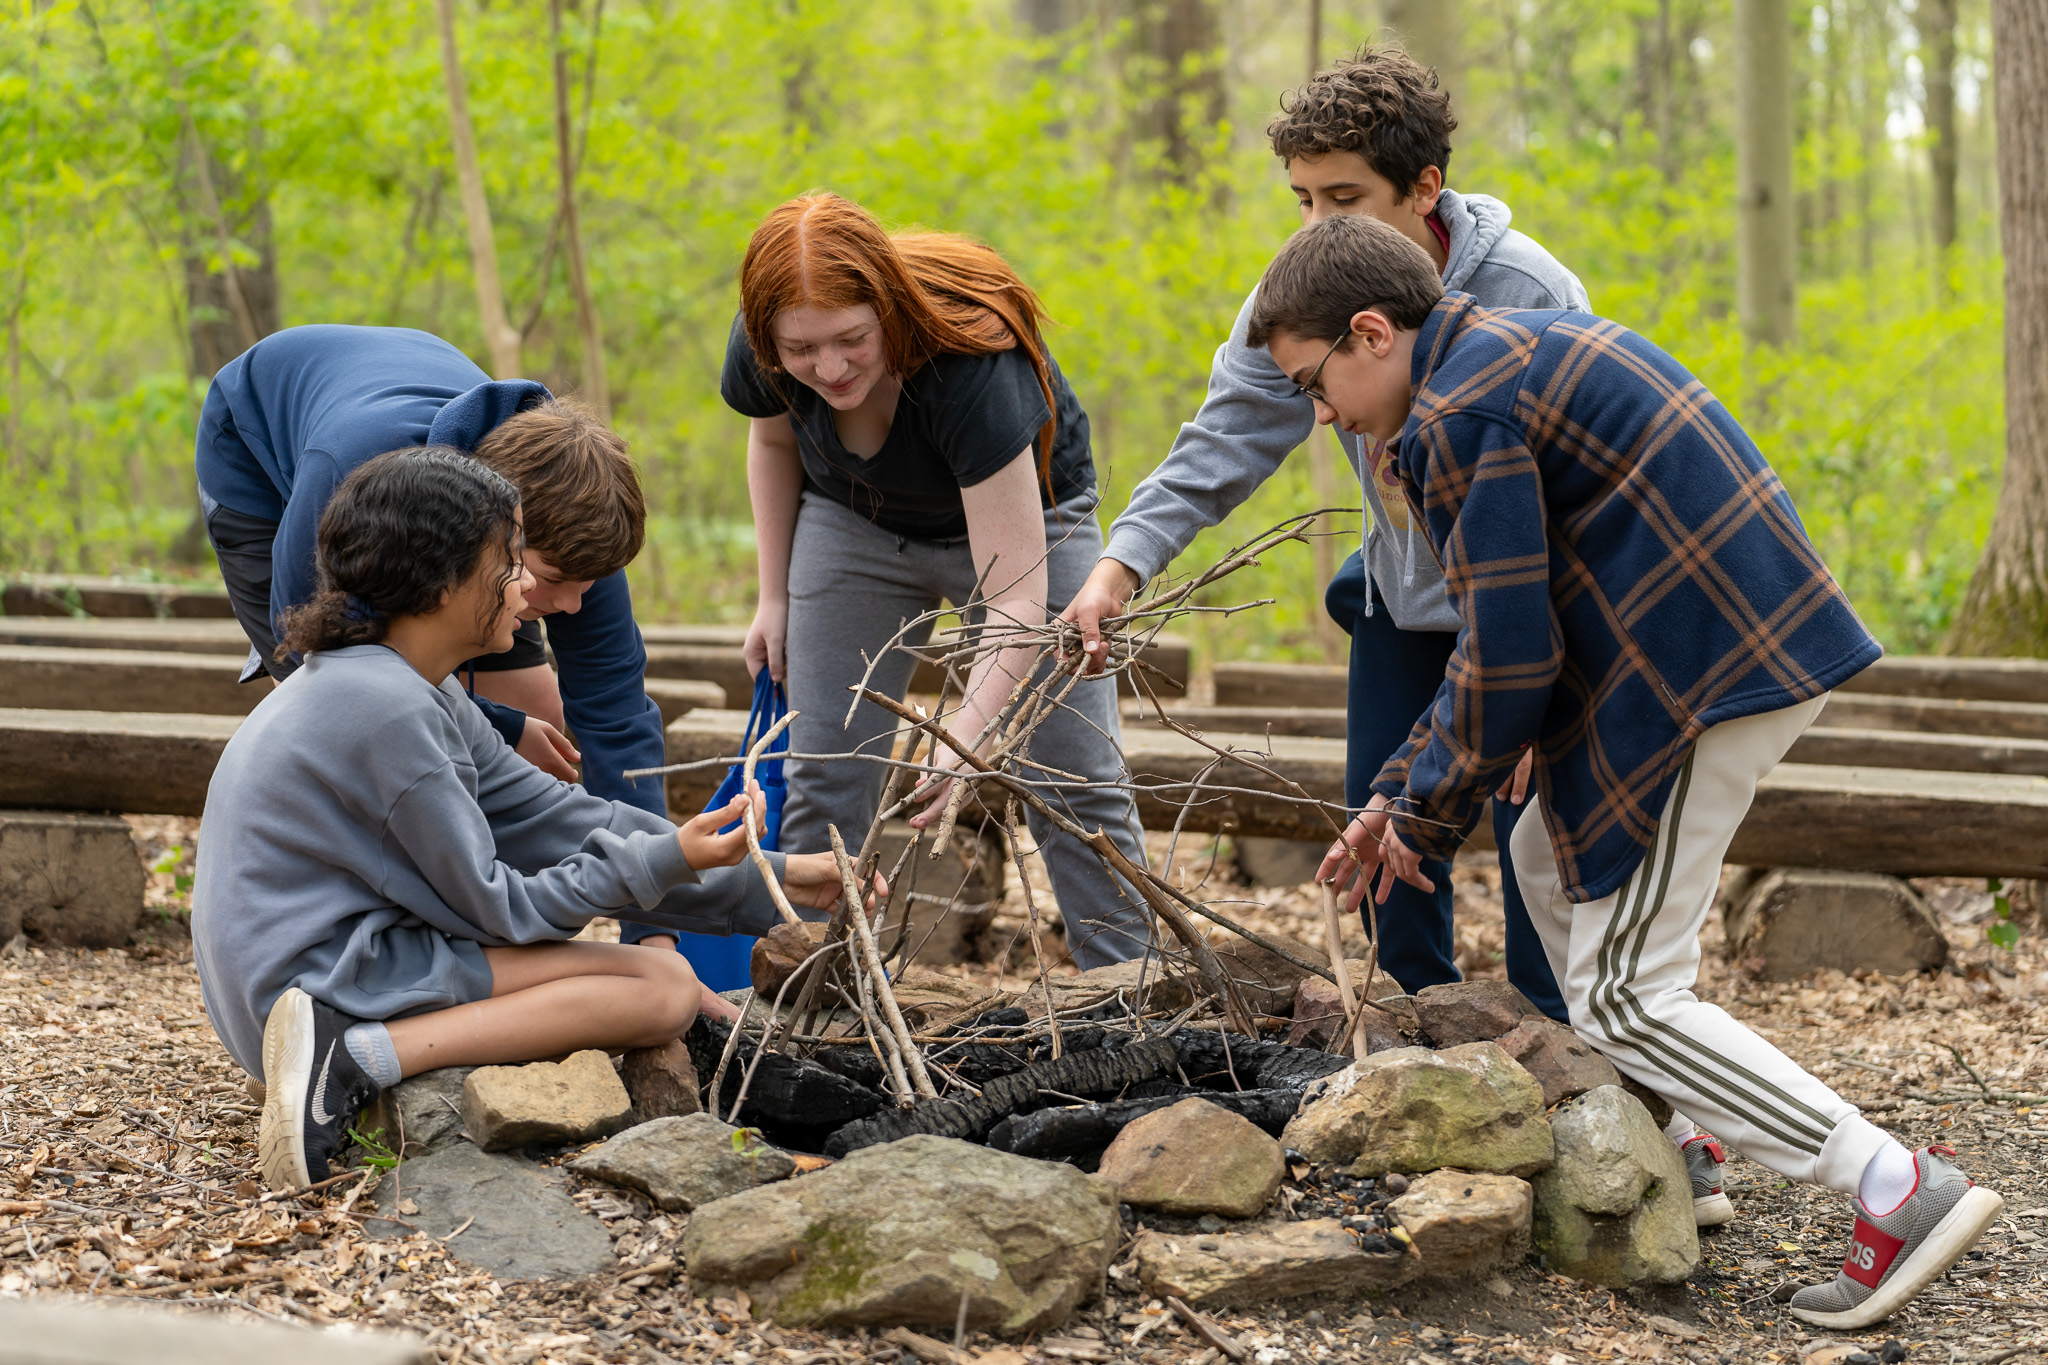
374,1152
1884,418
2004,934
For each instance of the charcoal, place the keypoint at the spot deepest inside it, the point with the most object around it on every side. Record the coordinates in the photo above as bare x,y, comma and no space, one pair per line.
1101,1071
1083,1130
788,1093
1255,1065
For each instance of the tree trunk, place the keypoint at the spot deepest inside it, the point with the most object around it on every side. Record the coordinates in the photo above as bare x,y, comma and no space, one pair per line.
596,391
1937,23
1322,467
1315,37
1043,17
2006,611
1766,242
500,336
1428,30
1181,77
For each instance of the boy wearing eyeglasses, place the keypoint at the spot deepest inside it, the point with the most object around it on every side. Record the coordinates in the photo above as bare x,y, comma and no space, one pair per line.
1643,611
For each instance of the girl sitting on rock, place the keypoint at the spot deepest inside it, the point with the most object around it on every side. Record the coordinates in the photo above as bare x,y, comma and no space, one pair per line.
386,887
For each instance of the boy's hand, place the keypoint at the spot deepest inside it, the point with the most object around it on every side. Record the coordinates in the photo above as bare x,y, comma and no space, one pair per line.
1106,593
811,880
548,749
1370,844
705,848
1516,789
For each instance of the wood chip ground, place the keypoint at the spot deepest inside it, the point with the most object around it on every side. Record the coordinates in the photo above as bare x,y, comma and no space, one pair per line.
127,1167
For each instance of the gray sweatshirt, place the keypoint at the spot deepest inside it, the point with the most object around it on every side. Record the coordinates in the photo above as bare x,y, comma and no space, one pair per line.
1253,418
368,834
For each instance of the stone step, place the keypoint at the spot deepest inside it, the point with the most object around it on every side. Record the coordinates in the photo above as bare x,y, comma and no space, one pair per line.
1938,715
1872,819
66,595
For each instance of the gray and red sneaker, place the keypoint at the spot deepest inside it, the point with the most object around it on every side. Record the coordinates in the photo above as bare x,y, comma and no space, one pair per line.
1704,1159
1894,1256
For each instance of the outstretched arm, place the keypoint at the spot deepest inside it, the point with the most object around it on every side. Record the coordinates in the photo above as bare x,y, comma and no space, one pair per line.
775,483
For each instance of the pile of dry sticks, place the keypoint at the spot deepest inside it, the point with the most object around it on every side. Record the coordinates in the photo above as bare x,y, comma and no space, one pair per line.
994,770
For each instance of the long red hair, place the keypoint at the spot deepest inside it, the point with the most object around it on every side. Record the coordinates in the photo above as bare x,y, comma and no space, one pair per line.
935,293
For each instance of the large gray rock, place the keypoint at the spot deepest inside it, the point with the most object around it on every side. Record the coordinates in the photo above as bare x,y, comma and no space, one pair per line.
421,1113
522,1224
1194,1158
574,1100
684,1163
1464,1222
1225,1269
895,1233
69,879
1410,1109
1798,920
1615,1207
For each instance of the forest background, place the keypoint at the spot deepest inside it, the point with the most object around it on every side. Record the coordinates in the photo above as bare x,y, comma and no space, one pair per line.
183,175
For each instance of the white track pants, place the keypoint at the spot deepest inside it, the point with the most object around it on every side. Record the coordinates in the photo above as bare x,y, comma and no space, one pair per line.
1627,964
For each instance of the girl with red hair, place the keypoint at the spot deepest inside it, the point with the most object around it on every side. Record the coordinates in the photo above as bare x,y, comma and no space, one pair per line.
913,437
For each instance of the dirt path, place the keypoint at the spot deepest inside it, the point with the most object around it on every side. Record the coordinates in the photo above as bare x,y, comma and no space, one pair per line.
125,1123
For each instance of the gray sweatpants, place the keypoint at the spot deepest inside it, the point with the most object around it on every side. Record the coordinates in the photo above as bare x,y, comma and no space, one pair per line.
851,586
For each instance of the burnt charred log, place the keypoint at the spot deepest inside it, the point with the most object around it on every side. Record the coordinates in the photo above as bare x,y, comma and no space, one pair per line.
1228,1062
1083,1130
792,1100
1100,1071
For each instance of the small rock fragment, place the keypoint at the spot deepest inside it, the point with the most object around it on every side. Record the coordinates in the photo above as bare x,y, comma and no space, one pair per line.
661,1081
1319,1014
1471,1011
1563,1063
1462,1223
1194,1158
1316,1256
574,1100
1470,1107
1892,1352
1616,1206
685,1162
421,1113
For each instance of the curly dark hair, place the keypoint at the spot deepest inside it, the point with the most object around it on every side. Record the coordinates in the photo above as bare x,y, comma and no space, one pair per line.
401,531
1382,104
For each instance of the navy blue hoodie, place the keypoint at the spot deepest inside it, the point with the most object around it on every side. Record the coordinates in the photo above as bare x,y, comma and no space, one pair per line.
289,418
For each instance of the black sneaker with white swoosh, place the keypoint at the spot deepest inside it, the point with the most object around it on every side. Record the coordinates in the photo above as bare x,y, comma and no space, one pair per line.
313,1090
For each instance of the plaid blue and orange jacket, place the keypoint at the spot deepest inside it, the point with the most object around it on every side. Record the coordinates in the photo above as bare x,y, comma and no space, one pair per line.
1628,569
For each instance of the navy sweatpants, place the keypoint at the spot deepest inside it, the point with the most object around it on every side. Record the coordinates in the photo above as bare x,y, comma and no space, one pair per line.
1395,674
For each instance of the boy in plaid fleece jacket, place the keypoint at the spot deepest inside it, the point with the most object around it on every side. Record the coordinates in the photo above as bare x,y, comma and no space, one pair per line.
1642,606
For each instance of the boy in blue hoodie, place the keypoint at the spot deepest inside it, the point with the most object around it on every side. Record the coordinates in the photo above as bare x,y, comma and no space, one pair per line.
291,417
1371,137
1641,609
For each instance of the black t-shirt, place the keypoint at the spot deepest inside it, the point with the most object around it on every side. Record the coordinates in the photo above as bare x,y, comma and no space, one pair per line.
961,418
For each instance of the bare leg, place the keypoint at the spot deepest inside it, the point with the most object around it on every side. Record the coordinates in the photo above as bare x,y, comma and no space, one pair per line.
532,690
555,998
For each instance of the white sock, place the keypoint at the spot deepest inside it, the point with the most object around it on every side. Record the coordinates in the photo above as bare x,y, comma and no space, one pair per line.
1680,1130
1888,1180
370,1044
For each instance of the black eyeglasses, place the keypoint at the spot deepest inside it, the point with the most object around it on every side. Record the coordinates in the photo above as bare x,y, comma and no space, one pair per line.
1309,389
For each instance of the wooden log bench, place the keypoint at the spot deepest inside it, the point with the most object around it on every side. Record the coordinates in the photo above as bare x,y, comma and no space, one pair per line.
135,762
37,677
59,595
1904,822
75,632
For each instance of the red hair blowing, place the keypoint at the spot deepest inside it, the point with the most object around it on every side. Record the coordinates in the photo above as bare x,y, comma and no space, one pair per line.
935,293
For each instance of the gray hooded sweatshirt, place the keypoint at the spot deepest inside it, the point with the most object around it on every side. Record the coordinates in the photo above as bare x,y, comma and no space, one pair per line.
1253,418
367,834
